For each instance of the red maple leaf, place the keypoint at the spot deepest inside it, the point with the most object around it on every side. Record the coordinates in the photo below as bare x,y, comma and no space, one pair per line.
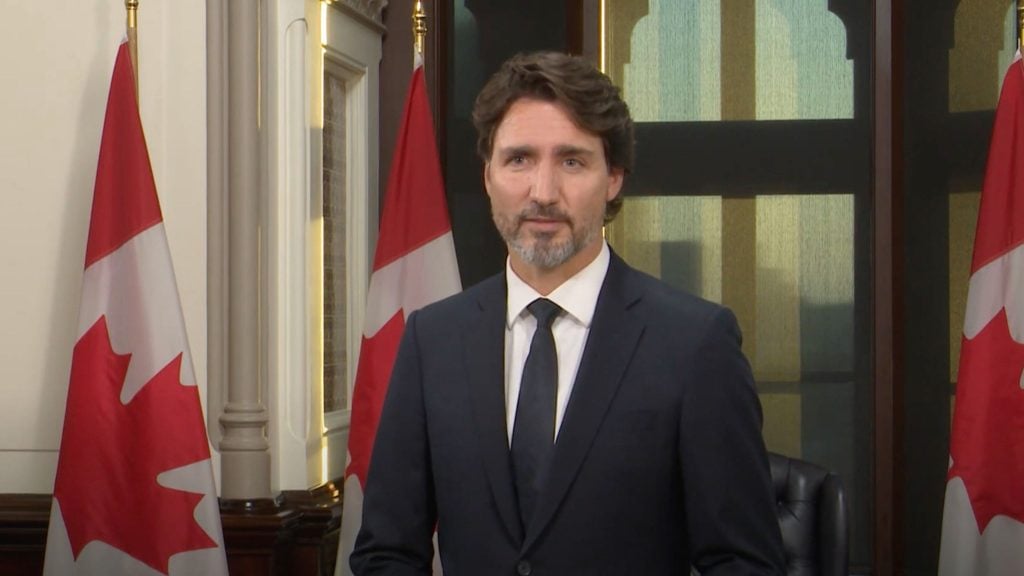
987,445
376,359
111,454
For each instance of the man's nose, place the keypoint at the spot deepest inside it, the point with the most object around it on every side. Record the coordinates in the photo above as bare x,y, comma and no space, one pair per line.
545,187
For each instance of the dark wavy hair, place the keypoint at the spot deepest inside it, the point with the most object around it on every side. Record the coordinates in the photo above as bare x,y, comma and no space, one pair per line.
590,98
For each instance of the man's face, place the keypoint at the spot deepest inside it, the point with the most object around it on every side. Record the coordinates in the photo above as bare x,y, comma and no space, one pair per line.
548,182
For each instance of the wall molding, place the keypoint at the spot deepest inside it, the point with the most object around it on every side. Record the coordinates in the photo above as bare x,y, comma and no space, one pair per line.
368,11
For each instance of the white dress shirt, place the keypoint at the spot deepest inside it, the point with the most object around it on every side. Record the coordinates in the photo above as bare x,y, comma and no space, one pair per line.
577,297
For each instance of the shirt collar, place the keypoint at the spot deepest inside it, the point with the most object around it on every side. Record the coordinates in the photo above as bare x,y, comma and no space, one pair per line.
577,295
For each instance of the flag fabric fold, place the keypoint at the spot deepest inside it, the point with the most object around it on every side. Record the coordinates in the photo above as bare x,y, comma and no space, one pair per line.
414,265
134,491
983,515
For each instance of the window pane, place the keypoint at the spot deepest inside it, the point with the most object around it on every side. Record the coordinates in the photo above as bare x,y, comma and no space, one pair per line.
802,68
985,42
672,68
668,57
334,273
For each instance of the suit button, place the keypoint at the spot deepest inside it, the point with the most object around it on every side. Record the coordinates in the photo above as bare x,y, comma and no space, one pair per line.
524,568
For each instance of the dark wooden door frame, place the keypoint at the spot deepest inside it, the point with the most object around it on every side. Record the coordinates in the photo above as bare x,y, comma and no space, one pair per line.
887,74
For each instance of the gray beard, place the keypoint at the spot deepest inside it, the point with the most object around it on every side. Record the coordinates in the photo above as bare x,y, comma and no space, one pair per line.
544,252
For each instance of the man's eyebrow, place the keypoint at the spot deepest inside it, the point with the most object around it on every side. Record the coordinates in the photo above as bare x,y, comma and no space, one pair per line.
571,150
516,151
563,151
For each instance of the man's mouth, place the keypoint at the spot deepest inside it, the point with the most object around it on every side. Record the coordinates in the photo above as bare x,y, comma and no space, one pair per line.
542,223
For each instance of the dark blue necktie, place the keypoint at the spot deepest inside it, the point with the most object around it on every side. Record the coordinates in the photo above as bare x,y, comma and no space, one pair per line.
533,433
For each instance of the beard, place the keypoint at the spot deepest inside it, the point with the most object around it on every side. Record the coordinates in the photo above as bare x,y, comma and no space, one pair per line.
544,250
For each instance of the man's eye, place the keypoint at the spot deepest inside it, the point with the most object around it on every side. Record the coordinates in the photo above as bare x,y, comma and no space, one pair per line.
516,160
573,163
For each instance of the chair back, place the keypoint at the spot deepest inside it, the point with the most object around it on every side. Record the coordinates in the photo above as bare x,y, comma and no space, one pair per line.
812,515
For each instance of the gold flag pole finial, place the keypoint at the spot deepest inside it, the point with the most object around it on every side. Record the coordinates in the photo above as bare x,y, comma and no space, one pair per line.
419,27
1020,24
132,7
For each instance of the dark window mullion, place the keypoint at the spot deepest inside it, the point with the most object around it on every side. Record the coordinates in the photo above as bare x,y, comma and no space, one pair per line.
736,159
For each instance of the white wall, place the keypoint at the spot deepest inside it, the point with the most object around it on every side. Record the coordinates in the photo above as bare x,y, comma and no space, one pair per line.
55,65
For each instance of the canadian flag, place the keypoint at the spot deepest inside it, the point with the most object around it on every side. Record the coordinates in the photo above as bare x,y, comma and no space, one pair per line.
134,492
414,265
983,518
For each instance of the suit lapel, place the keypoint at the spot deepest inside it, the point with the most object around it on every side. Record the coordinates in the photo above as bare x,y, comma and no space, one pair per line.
485,361
612,341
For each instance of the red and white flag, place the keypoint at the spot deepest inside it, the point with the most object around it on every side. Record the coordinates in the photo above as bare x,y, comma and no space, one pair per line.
983,518
134,492
413,266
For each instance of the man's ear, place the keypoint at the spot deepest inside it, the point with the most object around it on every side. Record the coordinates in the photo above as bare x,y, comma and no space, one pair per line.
616,176
487,177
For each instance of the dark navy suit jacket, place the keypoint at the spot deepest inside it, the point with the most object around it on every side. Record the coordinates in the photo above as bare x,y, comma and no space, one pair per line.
659,462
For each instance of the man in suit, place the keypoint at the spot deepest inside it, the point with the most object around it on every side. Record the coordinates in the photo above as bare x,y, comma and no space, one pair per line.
570,416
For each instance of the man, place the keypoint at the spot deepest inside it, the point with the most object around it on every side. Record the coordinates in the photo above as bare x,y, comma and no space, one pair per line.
615,431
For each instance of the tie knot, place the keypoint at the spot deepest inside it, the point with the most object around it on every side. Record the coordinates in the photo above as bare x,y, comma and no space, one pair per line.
544,311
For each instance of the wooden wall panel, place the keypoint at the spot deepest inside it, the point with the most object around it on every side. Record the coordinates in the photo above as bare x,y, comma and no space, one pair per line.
294,535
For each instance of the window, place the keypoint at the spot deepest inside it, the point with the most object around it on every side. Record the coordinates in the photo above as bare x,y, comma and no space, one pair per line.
346,221
335,273
751,189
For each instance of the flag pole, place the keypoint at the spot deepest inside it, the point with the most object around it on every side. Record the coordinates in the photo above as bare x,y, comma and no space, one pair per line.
419,27
1020,24
132,7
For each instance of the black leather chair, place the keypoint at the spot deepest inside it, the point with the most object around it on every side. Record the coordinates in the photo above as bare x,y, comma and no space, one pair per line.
812,515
